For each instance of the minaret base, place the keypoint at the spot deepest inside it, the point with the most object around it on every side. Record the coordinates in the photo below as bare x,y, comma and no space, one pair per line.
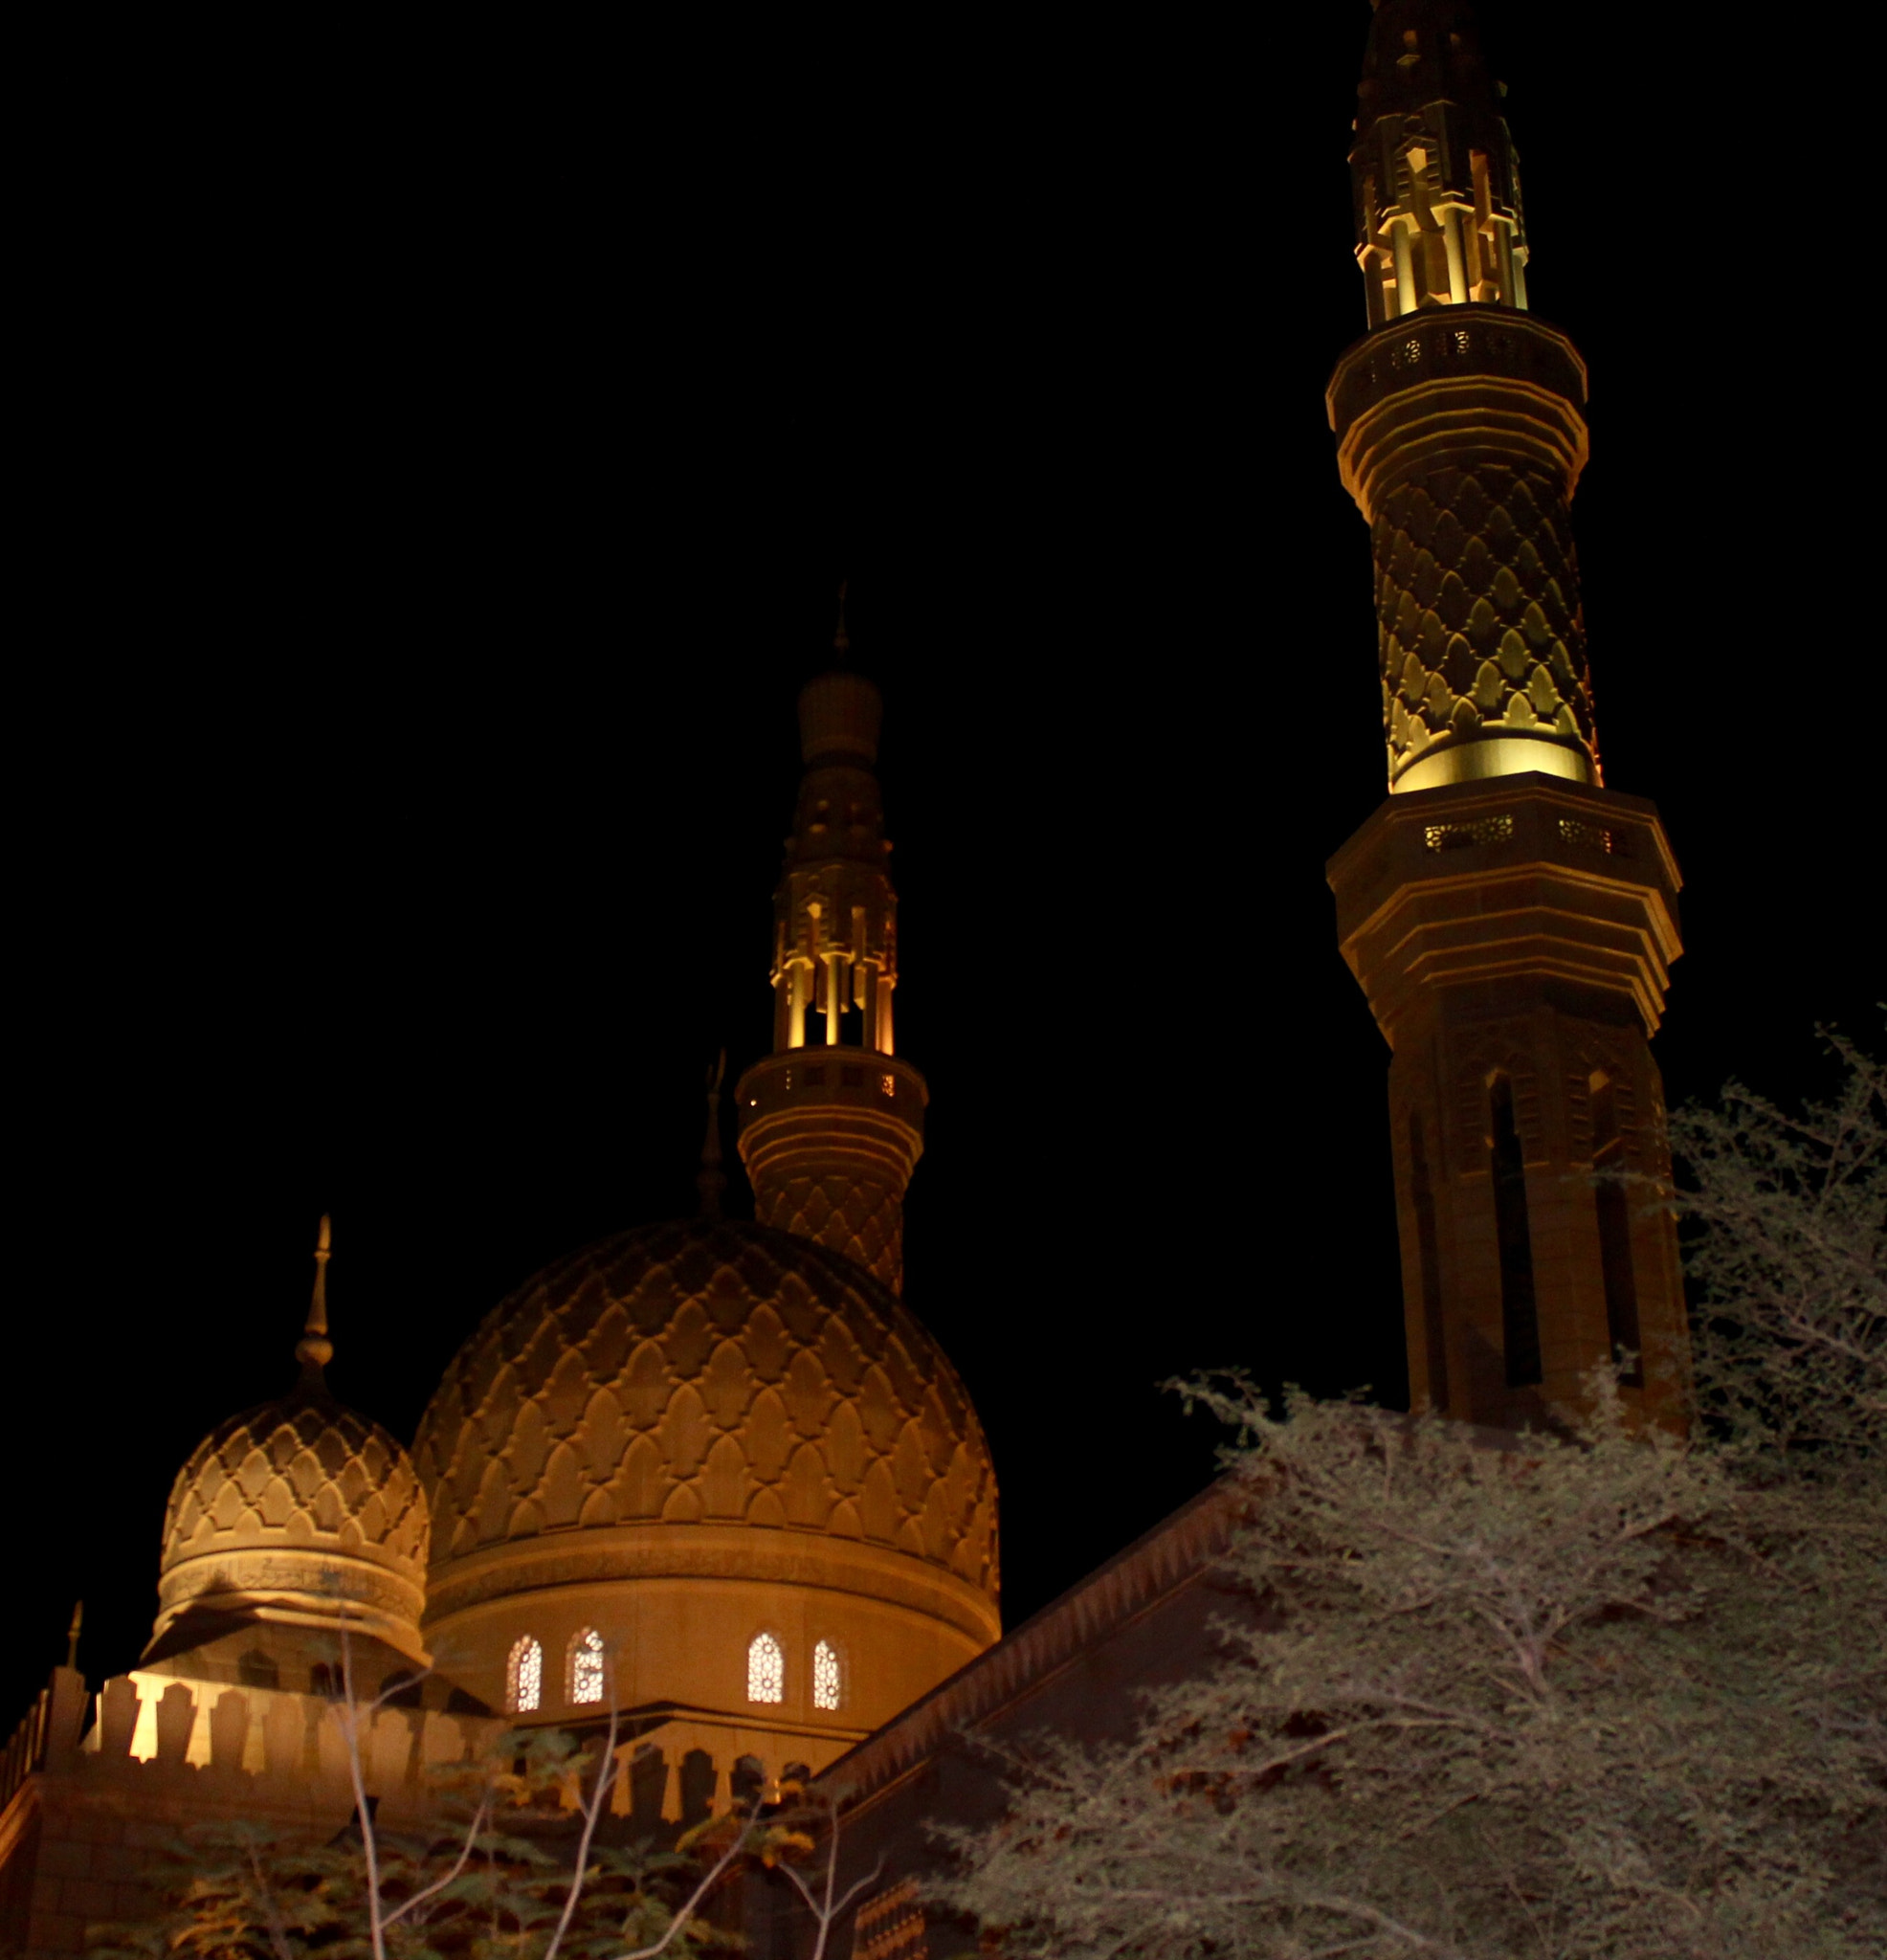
1514,938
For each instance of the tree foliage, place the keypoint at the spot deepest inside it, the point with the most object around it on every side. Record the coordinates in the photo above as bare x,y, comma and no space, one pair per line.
1607,1694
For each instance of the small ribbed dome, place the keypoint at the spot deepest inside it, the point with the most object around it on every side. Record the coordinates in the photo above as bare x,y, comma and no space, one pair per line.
708,1373
299,1511
301,1472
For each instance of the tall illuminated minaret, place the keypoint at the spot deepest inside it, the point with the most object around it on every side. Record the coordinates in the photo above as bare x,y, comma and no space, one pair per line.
831,1123
1511,920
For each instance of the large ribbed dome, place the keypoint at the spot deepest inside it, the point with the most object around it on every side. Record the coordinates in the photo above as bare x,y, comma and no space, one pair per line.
708,1373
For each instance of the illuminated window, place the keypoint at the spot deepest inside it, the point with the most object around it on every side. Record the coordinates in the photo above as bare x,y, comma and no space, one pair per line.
523,1677
889,1085
825,1678
766,1670
586,1666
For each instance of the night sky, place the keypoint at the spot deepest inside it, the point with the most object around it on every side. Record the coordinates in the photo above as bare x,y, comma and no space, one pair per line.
443,483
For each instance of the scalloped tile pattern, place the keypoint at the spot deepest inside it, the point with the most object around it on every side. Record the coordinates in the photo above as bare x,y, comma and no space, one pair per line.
708,1372
1479,621
853,1216
303,1471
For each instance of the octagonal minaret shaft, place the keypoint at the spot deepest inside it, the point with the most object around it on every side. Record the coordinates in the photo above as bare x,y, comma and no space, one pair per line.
832,1124
1511,922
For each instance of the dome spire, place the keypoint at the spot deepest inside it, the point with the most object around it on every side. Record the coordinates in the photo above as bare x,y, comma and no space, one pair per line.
314,1351
711,1180
842,639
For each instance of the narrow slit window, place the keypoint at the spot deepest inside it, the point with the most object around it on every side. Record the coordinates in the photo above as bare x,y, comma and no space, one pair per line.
1429,1260
828,1677
1614,1210
587,1667
1520,1313
766,1669
524,1685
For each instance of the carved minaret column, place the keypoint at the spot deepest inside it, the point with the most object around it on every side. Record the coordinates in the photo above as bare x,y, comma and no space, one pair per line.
1511,921
831,1123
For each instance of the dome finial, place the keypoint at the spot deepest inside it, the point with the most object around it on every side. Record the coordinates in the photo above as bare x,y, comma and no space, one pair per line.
711,1180
72,1635
842,639
314,1351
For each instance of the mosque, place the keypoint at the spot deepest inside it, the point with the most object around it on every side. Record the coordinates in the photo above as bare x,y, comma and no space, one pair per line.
716,1477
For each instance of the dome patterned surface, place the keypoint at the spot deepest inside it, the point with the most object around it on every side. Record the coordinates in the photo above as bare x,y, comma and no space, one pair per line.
703,1372
305,1473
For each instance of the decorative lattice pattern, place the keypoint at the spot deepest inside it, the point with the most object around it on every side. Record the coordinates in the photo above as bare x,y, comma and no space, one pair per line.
1458,837
827,1681
587,1667
1592,836
299,1472
890,1925
856,1216
523,1677
766,1669
711,1373
1477,613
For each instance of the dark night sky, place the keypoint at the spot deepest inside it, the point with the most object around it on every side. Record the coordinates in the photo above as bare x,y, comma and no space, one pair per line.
445,469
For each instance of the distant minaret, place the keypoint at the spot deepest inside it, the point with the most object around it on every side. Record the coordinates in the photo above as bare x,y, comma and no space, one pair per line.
832,1124
1511,921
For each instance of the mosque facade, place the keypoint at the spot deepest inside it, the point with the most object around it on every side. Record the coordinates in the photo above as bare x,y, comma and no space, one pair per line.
715,1478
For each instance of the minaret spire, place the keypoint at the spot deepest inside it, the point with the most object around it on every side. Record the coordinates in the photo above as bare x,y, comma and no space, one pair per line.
832,1124
1511,921
711,1181
314,1351
1432,171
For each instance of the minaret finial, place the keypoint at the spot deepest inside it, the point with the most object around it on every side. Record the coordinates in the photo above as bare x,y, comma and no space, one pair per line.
314,1351
711,1180
72,1635
842,639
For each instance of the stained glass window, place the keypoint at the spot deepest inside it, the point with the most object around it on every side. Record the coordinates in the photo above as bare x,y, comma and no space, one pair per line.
766,1670
586,1666
826,1682
525,1684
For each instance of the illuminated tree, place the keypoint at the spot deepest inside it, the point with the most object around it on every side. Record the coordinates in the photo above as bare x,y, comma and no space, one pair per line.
1611,1693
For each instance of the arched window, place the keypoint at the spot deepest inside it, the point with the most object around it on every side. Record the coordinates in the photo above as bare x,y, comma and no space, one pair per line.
523,1677
586,1666
1520,1315
828,1677
257,1669
766,1670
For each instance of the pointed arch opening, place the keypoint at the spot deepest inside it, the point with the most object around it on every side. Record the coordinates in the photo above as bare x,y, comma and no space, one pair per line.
1615,1268
766,1669
523,1677
828,1677
1427,1257
584,1668
1520,1312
